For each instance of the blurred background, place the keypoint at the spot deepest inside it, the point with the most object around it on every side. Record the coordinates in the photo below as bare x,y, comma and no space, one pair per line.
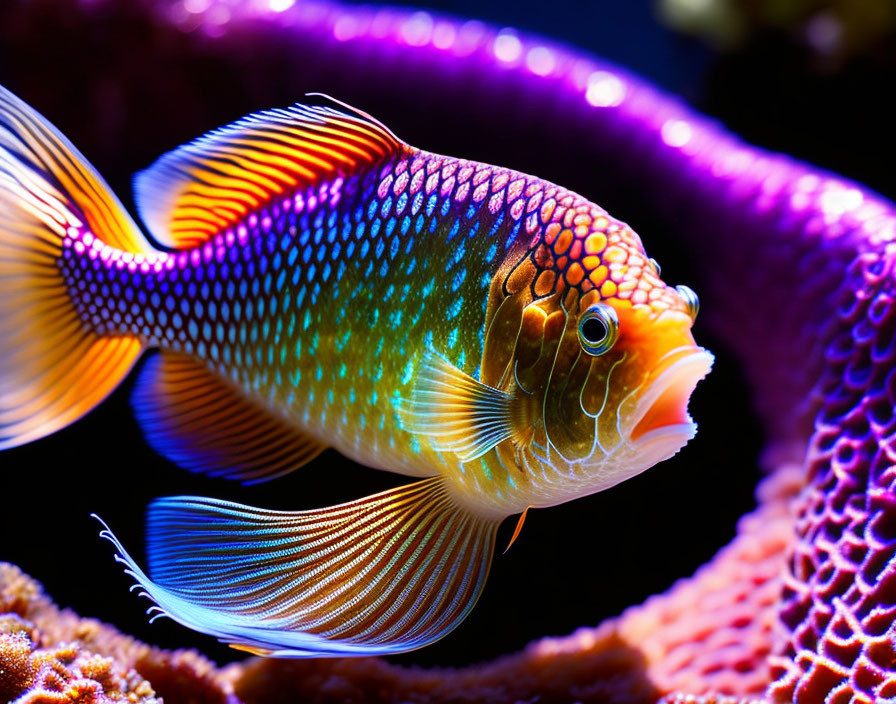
811,78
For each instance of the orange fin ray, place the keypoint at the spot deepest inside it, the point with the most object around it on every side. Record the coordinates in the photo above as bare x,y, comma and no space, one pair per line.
192,193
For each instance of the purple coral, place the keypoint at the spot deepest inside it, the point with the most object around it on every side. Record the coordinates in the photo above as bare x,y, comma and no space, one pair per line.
839,599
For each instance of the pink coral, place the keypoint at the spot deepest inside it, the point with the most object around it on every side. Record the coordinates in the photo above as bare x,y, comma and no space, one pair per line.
713,632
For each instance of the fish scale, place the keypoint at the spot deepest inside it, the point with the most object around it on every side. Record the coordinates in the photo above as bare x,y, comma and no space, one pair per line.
322,284
313,276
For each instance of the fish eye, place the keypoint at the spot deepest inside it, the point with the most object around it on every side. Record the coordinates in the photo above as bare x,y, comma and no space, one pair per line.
691,302
598,329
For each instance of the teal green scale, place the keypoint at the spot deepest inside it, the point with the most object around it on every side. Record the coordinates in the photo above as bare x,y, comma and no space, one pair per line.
386,279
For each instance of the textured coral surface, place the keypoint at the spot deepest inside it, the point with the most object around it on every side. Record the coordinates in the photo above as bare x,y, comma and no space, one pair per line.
800,605
51,656
839,598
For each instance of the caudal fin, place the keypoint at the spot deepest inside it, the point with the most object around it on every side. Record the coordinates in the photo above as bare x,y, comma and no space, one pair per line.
53,367
385,574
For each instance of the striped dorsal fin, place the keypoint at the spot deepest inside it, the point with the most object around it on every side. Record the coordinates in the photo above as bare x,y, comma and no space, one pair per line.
199,189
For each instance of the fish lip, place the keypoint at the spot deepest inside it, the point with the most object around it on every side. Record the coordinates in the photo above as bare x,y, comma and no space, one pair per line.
673,382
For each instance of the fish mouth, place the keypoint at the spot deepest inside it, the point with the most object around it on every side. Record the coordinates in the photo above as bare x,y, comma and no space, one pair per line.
661,416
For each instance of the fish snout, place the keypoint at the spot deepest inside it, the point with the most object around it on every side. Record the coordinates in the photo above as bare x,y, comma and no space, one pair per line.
660,413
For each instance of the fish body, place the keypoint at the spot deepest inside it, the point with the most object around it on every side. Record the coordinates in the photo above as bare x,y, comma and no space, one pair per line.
322,306
324,284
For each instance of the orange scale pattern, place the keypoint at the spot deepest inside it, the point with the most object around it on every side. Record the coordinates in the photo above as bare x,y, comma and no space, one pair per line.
585,249
576,244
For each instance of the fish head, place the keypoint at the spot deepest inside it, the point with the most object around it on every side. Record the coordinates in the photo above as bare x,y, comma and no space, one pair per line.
598,354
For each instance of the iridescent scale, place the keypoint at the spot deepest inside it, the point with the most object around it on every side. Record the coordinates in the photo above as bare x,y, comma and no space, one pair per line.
323,302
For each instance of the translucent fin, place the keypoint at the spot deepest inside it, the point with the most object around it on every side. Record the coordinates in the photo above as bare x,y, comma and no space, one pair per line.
385,574
53,369
457,412
198,421
195,191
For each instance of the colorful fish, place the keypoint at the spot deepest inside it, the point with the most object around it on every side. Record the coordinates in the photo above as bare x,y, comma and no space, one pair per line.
322,284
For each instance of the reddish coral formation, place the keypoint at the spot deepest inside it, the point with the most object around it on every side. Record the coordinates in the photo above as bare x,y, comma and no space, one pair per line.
707,699
713,632
601,668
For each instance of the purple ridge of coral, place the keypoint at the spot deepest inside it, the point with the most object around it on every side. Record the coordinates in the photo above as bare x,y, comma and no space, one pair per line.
839,600
791,256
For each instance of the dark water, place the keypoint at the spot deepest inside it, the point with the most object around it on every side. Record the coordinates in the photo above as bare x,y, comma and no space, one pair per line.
573,565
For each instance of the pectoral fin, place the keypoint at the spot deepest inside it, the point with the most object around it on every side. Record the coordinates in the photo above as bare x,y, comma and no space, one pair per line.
458,413
385,574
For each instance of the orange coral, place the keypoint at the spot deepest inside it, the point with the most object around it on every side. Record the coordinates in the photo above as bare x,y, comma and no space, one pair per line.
65,674
16,669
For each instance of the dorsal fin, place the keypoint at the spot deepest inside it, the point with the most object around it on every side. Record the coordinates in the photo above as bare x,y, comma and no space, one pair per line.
201,188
